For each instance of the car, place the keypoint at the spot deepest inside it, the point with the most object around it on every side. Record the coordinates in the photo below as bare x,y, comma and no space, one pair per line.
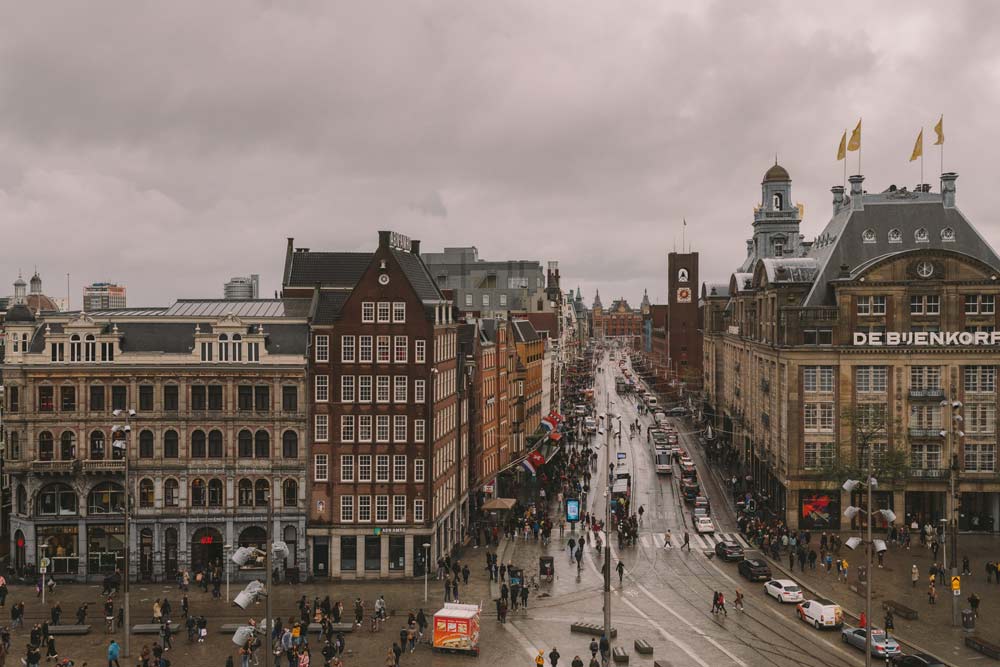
697,513
702,501
729,550
704,525
783,590
677,412
882,645
820,613
915,660
754,569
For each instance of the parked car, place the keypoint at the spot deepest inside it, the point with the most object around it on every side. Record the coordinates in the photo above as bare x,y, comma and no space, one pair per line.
677,412
783,590
728,550
702,501
755,569
697,513
820,613
882,645
704,525
915,660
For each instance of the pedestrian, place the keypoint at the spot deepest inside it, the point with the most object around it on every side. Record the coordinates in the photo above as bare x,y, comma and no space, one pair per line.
687,541
715,602
51,646
991,568
605,646
497,602
465,574
621,573
554,657
738,603
863,622
722,603
503,611
524,597
390,659
593,648
540,658
397,651
166,632
55,613
421,622
931,594
974,605
666,540
113,652
889,622
914,575
577,662
965,566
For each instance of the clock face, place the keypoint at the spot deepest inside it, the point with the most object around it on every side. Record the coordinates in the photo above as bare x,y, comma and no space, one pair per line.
925,269
383,279
683,295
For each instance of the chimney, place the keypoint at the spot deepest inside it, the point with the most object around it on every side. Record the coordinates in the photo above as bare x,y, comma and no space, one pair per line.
857,198
845,271
383,239
838,197
948,189
415,247
291,244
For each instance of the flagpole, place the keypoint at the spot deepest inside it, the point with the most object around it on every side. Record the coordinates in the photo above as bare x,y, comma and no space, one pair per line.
845,159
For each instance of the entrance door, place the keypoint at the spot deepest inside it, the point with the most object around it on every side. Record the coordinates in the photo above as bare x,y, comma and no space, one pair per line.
321,557
170,552
206,548
146,554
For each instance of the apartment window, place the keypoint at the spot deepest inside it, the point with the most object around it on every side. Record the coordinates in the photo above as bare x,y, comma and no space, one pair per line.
321,467
981,379
980,418
347,388
244,397
418,470
215,397
261,397
382,389
382,468
486,301
986,304
107,352
399,428
171,446
146,398
171,493
321,428
364,508
419,391
253,351
382,428
382,509
382,349
980,457
322,387
979,304
171,398
399,389
198,397
347,351
400,349
925,377
399,509
870,379
418,510
206,351
468,299
347,428
818,417
289,398
925,456
365,351
364,428
419,351
90,348
503,299
818,455
927,417
368,312
365,389
398,312
56,350
364,467
322,348
347,468
419,430
399,468
817,379
871,416
383,312
871,305
347,508
879,450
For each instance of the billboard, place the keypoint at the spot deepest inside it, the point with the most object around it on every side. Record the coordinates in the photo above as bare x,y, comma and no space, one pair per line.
819,509
572,510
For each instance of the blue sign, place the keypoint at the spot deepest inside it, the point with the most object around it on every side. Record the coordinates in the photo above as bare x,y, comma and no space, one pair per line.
572,510
621,456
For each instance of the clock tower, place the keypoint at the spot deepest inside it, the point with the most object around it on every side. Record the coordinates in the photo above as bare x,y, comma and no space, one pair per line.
683,328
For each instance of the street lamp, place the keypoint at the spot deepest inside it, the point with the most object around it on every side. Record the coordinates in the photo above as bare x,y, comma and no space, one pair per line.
427,559
952,435
122,445
43,547
227,548
852,543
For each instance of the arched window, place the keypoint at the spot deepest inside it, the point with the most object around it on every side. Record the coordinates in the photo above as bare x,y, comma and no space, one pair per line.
290,445
97,445
146,444
291,538
90,347
262,444
777,201
237,347
146,493
245,487
171,492
215,444
106,498
245,444
57,500
198,493
67,446
170,446
198,444
260,492
215,493
75,352
46,448
21,503
223,347
289,493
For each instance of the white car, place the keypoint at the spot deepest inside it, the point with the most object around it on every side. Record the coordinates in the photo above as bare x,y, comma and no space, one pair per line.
820,613
704,525
783,590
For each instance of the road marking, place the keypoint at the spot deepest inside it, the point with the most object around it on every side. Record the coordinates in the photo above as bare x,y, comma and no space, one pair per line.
521,639
666,635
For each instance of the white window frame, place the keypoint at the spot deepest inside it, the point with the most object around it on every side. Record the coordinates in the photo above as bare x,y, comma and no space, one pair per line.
364,509
322,348
383,468
419,351
399,428
365,428
321,467
399,468
381,509
418,510
321,428
400,349
347,389
365,468
398,312
348,350
364,389
468,299
419,470
346,467
366,349
399,389
399,509
419,391
384,312
347,509
382,426
321,388
347,433
368,312
419,430
383,344
383,389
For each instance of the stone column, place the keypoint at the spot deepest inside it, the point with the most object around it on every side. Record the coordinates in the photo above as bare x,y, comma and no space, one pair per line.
384,550
359,568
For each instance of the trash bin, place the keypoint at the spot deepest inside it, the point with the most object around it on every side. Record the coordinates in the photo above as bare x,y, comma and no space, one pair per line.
968,620
546,568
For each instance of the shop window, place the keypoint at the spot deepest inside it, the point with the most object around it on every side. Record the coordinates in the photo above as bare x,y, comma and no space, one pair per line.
397,553
57,500
373,553
106,498
348,553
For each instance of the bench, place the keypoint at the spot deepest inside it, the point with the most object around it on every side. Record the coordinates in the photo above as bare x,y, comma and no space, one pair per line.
153,628
643,647
591,629
619,655
337,627
981,645
69,629
900,609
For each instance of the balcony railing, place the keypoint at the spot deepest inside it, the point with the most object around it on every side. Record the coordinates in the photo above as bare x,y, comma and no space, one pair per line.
929,473
54,466
921,432
927,394
103,465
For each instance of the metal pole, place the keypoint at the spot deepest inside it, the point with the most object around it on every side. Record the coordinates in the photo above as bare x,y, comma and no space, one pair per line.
953,500
868,566
607,527
269,562
127,569
427,558
43,547
228,548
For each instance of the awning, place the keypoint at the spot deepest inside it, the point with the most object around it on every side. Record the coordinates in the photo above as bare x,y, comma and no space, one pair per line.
495,504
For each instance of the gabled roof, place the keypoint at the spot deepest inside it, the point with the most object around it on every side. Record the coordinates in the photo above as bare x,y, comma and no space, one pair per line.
712,290
330,269
524,332
329,306
418,275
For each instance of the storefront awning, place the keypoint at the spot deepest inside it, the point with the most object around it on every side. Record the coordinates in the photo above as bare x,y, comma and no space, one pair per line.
496,504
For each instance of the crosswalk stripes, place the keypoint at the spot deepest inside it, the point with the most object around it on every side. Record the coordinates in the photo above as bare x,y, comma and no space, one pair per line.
698,540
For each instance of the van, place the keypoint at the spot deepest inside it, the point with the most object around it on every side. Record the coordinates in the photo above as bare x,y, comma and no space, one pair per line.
663,464
651,401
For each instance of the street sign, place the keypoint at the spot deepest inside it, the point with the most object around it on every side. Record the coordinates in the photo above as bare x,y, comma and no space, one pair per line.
956,583
621,456
43,570
957,592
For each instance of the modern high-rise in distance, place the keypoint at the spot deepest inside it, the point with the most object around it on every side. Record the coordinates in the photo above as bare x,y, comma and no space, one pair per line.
103,296
242,287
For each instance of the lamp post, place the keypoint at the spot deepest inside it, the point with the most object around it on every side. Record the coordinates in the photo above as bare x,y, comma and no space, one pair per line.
43,547
954,433
122,443
427,560
227,548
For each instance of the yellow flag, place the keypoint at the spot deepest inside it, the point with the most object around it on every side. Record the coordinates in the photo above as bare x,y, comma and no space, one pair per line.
939,128
855,142
842,150
918,148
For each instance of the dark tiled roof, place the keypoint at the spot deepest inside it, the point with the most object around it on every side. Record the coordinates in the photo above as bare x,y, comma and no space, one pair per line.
329,269
169,337
329,306
524,331
418,275
286,338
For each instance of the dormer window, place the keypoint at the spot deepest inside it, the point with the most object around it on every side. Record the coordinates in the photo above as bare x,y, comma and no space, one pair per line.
223,347
947,234
895,236
921,236
869,236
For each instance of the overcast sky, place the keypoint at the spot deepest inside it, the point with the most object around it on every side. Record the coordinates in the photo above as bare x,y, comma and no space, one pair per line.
170,145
